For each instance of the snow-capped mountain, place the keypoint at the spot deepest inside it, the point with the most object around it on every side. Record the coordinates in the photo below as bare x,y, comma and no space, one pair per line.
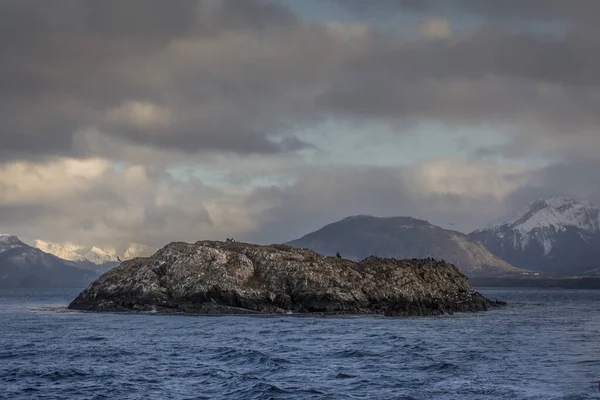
8,242
99,256
360,236
66,251
73,252
559,235
22,265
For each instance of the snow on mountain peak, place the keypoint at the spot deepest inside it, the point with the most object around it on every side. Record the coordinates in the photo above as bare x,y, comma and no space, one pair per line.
100,256
557,213
66,251
563,201
6,237
8,241
74,252
542,219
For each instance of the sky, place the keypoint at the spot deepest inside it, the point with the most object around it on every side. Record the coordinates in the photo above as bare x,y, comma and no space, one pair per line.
133,124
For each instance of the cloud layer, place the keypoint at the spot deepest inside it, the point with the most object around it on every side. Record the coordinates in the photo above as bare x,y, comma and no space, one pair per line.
145,122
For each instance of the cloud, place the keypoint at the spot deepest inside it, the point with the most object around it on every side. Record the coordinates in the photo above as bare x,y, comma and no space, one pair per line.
243,77
96,204
136,211
576,179
139,114
577,11
120,67
141,122
137,250
436,28
467,179
443,192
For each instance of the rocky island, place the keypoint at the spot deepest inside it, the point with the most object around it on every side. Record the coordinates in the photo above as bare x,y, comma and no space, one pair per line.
211,277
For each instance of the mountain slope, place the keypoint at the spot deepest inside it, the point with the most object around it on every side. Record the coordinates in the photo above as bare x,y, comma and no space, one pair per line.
361,236
93,258
557,235
25,266
73,252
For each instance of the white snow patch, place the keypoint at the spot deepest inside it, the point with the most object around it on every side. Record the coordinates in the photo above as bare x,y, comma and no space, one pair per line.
101,256
547,243
66,251
74,252
541,220
8,242
558,213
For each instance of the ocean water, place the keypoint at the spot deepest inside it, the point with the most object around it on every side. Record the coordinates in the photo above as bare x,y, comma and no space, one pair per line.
545,345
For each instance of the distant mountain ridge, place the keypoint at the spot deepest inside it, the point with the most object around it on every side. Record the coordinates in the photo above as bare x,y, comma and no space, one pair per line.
95,255
360,236
73,252
558,235
22,265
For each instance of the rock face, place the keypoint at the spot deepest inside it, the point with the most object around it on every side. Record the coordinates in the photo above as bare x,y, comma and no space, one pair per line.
558,235
236,278
361,236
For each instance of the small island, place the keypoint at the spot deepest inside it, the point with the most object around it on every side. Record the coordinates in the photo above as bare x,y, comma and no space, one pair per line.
212,277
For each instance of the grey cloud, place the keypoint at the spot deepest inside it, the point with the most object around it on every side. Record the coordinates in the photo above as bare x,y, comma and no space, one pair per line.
240,76
577,179
257,15
573,11
537,10
325,195
113,209
15,216
116,209
536,89
292,143
67,63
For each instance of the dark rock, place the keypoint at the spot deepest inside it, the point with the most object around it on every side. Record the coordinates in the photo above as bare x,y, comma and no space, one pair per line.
238,278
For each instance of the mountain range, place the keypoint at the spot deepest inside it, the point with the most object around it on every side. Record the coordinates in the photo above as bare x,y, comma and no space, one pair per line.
48,264
73,252
22,265
558,235
360,236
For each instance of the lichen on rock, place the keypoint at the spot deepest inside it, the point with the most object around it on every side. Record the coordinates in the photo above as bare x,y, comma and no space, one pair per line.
210,277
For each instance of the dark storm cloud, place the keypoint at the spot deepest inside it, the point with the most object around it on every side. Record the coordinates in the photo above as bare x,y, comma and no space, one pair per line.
571,11
324,195
240,76
491,51
155,83
490,76
65,64
538,10
577,179
23,214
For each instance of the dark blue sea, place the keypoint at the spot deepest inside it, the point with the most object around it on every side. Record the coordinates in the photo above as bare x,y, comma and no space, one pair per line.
545,345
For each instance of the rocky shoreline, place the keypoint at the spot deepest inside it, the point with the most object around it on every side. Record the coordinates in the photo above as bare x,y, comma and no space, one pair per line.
211,277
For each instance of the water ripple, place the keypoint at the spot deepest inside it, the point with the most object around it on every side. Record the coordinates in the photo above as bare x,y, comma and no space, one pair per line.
543,346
